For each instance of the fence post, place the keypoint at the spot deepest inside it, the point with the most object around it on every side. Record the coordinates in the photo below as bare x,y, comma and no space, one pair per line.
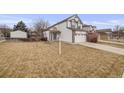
60,44
99,37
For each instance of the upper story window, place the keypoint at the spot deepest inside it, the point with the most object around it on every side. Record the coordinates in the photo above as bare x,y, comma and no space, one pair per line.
79,25
74,24
69,24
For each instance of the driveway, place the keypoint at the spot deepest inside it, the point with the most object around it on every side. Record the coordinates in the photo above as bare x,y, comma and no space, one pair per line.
104,47
112,42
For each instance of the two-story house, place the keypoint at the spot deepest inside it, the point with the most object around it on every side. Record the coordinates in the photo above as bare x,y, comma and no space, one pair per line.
70,29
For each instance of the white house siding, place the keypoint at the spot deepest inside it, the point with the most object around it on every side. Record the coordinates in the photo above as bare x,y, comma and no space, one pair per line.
18,34
66,34
46,34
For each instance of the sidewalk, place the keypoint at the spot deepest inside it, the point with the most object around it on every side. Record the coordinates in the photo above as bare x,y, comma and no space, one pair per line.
2,41
107,48
112,42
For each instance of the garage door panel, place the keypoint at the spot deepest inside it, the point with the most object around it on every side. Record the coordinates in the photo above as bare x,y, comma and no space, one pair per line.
80,38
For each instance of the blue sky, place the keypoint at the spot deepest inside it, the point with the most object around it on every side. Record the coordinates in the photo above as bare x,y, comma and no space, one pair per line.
99,20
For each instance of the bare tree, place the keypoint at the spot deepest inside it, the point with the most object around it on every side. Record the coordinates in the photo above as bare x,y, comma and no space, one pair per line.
5,30
40,25
117,27
119,30
122,28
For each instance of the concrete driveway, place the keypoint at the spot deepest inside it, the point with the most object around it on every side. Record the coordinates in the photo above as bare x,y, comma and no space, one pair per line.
103,47
112,42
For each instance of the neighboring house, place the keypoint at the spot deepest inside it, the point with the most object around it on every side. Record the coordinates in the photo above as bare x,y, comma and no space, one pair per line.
18,34
107,34
104,34
5,31
1,36
70,29
117,34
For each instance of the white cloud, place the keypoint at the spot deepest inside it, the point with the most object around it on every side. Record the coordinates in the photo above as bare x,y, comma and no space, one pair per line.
11,20
106,24
100,23
109,23
96,23
114,21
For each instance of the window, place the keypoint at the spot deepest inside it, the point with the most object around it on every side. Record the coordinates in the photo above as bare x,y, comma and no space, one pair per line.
68,24
79,27
73,25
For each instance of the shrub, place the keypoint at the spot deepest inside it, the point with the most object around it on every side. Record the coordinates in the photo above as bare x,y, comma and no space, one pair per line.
92,37
44,39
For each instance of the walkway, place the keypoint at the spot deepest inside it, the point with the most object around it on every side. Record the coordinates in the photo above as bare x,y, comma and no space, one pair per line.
2,41
112,42
104,47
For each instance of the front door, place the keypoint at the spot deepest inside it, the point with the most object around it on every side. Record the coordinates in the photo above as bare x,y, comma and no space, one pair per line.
54,36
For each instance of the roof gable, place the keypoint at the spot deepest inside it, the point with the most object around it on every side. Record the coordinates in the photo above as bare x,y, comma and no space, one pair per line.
69,18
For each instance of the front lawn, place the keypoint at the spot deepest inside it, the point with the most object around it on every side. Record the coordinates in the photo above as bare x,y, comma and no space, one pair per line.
41,59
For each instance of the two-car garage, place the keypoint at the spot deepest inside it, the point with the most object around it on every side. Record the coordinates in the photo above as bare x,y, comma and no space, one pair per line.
80,36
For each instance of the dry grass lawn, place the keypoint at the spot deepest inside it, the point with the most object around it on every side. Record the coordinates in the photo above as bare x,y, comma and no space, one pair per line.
41,59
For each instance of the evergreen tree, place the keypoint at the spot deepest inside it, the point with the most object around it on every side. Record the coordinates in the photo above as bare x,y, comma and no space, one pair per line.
20,26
